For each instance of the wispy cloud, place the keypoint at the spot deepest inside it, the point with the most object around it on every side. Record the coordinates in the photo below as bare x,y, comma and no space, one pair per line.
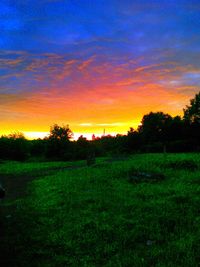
92,68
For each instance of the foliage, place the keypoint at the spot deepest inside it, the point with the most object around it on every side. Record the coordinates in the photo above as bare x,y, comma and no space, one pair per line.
61,133
192,112
158,132
154,126
82,147
58,142
14,146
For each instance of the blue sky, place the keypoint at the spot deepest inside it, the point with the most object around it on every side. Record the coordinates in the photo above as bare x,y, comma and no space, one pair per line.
100,50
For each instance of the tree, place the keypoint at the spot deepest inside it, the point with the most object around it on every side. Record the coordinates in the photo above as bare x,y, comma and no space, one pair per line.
16,135
133,142
58,142
192,112
82,147
37,148
175,131
154,127
63,133
14,146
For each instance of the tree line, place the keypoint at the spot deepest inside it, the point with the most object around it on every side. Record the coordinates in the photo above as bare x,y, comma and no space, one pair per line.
158,132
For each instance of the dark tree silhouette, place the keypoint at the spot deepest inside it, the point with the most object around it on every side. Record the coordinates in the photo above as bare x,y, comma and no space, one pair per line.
133,140
58,142
14,146
16,135
192,112
154,126
158,132
63,133
37,148
192,123
175,129
82,148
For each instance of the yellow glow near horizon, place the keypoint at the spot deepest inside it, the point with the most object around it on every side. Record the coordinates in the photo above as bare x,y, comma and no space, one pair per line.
88,114
85,129
35,135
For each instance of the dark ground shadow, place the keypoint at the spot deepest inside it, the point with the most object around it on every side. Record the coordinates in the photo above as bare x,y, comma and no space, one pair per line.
12,245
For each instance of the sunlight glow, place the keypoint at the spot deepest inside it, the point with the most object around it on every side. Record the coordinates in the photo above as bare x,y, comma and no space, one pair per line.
35,135
105,68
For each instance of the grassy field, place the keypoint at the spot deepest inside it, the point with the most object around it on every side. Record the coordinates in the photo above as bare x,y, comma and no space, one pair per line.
138,211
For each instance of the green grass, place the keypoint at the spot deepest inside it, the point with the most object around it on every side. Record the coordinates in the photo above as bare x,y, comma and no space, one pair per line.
98,216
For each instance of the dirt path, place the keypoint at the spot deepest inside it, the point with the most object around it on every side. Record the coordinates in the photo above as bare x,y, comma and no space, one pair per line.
12,243
16,187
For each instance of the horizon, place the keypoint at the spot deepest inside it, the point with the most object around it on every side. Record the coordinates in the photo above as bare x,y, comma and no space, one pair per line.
32,135
95,65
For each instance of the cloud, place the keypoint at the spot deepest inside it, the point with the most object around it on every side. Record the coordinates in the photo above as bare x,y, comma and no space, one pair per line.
10,63
95,65
85,64
51,73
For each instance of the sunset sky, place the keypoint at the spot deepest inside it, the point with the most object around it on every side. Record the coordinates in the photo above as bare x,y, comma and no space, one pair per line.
95,65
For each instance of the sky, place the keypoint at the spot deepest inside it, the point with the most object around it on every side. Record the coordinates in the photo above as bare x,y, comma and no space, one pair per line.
95,64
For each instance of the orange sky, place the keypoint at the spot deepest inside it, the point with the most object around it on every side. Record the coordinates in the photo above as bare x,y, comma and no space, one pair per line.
113,106
95,65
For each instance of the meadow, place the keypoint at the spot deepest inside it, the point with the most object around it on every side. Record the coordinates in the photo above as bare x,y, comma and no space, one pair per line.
142,210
